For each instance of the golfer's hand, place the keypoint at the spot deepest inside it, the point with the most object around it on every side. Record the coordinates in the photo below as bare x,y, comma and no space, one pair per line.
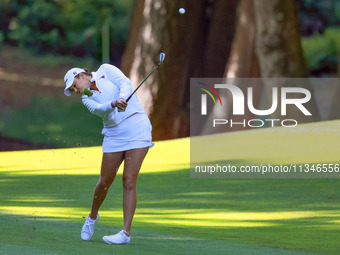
121,104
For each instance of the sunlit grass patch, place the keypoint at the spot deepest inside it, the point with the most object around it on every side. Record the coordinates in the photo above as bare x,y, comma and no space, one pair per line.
306,143
46,194
165,156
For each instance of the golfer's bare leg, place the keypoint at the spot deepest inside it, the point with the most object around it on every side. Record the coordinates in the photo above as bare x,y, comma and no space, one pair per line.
110,165
133,162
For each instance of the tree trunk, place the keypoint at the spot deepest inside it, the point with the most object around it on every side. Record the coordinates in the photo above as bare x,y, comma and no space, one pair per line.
220,37
338,71
170,115
134,32
243,63
278,39
165,94
279,49
335,107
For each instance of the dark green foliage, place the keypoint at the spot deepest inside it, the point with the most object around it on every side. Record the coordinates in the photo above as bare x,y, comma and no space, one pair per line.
321,51
36,25
316,15
65,26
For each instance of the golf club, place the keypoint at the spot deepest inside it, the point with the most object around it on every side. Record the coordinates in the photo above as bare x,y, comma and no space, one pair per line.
161,60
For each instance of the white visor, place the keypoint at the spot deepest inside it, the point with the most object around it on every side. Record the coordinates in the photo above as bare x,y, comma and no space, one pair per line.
69,79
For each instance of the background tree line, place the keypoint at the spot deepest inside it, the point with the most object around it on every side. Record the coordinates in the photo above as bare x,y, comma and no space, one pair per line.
66,27
75,27
232,39
215,38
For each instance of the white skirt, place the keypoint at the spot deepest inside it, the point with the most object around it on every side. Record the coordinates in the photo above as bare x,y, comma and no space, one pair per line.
132,133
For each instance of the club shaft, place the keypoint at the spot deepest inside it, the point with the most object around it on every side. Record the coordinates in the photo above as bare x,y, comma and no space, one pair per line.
142,83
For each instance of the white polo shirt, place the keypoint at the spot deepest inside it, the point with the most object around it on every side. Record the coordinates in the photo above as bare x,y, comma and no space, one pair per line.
112,85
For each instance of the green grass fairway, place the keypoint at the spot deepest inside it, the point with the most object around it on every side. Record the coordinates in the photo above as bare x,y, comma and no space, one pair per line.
46,195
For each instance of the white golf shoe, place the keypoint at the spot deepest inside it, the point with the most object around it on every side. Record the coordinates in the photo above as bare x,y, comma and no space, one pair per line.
119,238
88,228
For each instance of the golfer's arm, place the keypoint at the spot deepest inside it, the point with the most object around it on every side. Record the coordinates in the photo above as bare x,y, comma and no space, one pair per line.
98,109
117,77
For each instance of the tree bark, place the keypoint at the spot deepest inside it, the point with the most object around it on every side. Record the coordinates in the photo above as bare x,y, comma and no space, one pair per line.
279,50
134,32
165,94
338,71
243,61
335,107
220,37
170,114
278,39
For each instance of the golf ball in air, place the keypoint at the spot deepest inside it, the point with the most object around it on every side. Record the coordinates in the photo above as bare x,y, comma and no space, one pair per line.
181,10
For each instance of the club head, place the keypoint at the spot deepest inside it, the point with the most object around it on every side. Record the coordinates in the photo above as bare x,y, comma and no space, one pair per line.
161,58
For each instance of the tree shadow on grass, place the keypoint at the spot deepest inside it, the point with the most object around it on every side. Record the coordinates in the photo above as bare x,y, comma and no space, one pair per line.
300,214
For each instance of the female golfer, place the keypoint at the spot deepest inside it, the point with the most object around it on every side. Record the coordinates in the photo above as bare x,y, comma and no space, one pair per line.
127,137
